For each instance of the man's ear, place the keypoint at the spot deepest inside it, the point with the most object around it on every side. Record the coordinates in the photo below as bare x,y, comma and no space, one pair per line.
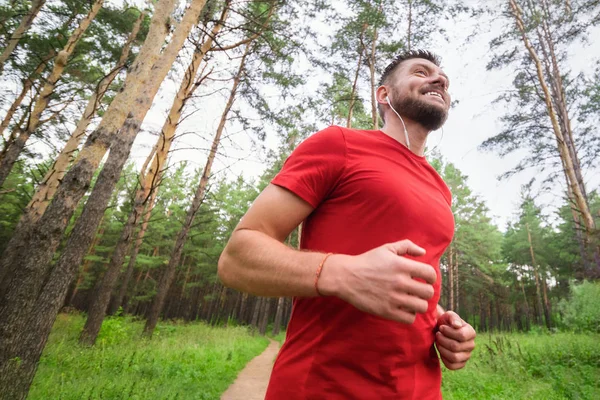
381,95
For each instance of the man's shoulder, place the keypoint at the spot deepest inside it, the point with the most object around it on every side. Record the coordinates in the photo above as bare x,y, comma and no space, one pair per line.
336,132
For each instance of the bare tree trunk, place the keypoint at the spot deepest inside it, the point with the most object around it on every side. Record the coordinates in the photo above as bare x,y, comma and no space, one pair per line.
86,264
278,316
40,200
99,303
451,277
409,31
29,306
564,152
133,254
537,277
23,27
167,277
456,281
27,85
264,320
355,83
60,62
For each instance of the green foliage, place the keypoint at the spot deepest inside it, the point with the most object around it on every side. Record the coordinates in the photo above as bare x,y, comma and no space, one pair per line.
191,361
581,312
525,366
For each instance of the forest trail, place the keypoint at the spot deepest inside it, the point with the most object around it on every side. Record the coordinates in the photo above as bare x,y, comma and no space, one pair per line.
251,383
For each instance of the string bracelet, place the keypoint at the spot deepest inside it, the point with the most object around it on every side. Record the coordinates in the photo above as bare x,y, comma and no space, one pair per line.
318,273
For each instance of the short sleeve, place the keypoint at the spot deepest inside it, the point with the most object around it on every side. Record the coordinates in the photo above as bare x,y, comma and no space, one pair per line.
314,167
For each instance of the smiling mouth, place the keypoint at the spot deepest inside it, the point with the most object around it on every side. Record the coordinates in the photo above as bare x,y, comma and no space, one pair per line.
435,94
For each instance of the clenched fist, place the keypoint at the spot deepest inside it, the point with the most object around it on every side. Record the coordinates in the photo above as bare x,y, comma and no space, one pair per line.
381,281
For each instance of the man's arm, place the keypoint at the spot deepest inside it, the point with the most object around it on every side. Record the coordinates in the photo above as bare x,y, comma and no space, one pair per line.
379,282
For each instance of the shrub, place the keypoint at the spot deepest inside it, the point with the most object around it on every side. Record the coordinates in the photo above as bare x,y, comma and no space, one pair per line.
581,312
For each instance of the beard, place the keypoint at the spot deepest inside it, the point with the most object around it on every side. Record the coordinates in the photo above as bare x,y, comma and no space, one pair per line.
432,117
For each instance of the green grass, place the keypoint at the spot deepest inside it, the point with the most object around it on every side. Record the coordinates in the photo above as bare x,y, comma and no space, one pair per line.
182,361
528,366
195,361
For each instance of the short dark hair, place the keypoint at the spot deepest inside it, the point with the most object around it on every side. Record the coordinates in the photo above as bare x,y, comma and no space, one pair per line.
407,55
399,59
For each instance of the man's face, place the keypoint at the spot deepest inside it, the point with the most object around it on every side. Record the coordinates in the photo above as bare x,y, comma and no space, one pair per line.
419,91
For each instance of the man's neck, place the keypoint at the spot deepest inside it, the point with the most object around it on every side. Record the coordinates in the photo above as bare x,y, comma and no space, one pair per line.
417,134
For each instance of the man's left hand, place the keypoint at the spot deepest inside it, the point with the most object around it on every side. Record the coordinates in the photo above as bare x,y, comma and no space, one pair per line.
455,340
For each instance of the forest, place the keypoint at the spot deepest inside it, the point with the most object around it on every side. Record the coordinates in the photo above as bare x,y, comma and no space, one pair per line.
136,133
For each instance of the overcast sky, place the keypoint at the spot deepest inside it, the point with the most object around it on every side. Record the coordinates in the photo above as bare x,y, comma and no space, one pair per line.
473,120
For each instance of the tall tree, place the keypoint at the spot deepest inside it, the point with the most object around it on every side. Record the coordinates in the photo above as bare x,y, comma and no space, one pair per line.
60,62
26,22
148,180
545,100
55,174
25,270
167,277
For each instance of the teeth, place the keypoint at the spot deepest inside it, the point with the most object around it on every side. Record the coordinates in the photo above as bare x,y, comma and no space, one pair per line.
433,94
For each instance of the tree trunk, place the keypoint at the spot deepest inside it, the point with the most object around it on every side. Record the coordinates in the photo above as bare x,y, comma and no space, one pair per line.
99,304
456,281
355,83
564,152
60,62
451,277
32,245
47,188
264,320
86,264
372,61
255,312
537,277
409,31
167,277
278,316
27,85
23,27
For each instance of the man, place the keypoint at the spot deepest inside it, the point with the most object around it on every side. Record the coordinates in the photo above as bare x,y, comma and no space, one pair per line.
377,219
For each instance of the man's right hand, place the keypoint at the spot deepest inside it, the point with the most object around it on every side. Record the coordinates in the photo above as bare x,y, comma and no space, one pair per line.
380,281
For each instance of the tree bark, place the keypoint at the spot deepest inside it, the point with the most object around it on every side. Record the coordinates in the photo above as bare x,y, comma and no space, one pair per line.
264,320
23,27
167,277
86,264
99,303
355,83
60,62
27,85
45,191
26,320
409,31
133,254
534,265
564,152
451,277
278,316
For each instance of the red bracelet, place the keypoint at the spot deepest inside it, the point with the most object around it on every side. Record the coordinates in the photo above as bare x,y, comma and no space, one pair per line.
318,273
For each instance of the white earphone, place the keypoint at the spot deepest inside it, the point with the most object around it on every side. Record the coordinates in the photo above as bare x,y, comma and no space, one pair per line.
406,131
401,120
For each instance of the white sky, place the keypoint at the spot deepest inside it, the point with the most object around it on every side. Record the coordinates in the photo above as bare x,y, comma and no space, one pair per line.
473,120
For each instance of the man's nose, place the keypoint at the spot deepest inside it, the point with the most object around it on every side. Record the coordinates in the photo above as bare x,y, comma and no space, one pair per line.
440,80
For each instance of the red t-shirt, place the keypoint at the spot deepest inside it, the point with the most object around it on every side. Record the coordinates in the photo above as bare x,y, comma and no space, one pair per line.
367,190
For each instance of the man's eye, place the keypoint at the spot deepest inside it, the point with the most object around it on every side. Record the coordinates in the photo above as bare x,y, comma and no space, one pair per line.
421,72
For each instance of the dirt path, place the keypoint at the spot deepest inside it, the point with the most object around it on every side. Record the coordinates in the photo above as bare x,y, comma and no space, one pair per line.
251,383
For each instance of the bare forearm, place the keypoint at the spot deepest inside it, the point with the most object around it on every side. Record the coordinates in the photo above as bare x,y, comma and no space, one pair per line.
256,263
